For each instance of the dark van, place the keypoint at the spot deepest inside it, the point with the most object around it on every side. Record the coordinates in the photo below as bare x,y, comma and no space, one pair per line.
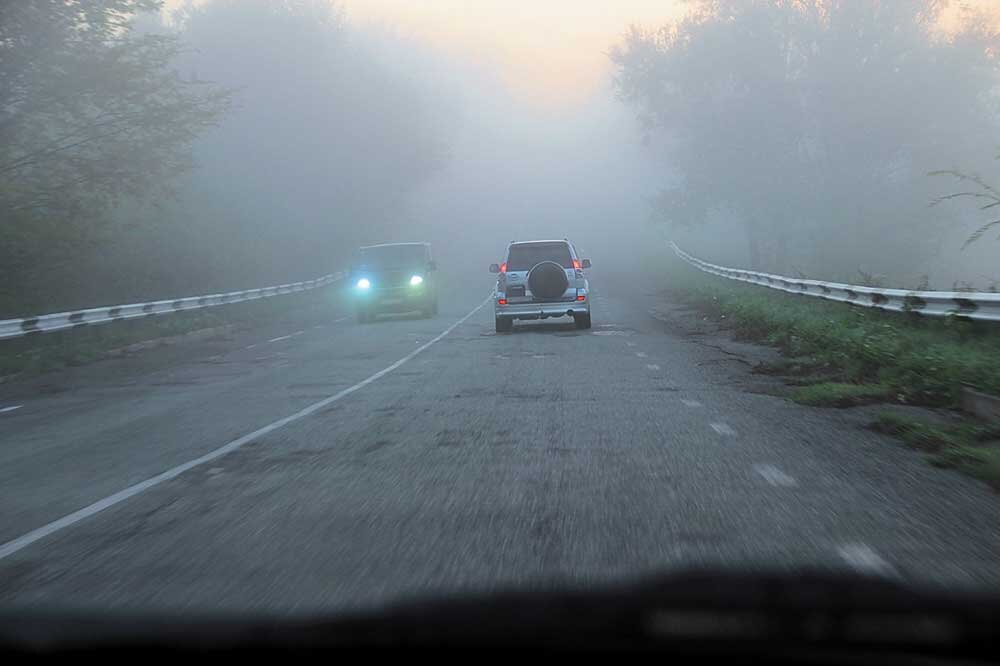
393,278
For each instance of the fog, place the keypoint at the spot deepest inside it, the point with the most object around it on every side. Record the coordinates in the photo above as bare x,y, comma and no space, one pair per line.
787,136
519,172
400,143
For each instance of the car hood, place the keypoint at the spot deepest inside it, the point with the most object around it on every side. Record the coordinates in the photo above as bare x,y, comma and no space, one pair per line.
698,610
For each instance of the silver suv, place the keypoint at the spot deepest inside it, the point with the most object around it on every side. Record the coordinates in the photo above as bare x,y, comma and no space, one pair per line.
541,279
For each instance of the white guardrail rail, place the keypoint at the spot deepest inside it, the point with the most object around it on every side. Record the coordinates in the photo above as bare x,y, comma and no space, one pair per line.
979,305
13,328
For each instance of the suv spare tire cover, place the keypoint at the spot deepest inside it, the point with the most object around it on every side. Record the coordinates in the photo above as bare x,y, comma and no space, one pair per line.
547,280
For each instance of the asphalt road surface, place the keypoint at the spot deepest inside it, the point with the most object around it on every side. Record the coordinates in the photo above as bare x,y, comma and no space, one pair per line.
327,464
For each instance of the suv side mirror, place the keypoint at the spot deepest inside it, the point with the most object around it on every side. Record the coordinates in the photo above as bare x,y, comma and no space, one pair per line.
494,268
585,263
432,265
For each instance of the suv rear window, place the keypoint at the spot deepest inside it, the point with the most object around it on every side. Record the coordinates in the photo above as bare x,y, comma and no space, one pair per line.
524,257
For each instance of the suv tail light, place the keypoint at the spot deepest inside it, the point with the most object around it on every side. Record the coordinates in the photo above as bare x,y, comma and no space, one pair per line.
503,267
501,301
576,264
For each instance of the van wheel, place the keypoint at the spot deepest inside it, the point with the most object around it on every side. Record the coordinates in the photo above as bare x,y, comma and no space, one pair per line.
504,324
582,321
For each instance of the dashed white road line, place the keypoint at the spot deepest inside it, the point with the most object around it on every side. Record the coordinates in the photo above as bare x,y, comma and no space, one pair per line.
652,366
690,403
775,476
283,337
21,542
250,346
296,333
4,410
337,321
630,344
864,559
722,429
641,354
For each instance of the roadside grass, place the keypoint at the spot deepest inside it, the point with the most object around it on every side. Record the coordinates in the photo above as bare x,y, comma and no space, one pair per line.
838,355
898,356
42,352
972,448
838,394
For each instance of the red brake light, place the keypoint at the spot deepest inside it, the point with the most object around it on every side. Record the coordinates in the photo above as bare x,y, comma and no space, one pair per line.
502,301
503,267
581,297
576,264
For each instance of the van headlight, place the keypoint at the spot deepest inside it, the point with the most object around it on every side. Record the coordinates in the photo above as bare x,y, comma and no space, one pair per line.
416,280
363,283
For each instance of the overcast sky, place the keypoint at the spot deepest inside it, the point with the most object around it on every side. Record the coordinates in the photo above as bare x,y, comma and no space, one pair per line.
551,51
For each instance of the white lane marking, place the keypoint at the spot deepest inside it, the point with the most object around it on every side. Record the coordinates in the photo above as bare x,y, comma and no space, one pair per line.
641,354
652,366
284,337
629,344
337,321
775,476
722,428
250,346
4,410
690,403
31,537
864,559
296,333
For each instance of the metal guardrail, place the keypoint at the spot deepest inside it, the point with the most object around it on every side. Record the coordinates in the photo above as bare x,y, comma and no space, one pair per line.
13,328
979,305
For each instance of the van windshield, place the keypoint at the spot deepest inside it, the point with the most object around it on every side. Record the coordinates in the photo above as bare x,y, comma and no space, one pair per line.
392,256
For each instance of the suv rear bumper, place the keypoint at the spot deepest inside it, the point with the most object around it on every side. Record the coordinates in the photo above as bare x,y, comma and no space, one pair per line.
541,310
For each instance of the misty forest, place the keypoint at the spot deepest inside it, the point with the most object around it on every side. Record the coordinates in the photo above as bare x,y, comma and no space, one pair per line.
238,143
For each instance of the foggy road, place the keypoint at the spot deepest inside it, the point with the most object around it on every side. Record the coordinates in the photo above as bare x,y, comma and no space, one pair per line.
413,456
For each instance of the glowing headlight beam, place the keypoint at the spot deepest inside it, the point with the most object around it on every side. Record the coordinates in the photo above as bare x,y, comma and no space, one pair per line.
364,283
415,280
